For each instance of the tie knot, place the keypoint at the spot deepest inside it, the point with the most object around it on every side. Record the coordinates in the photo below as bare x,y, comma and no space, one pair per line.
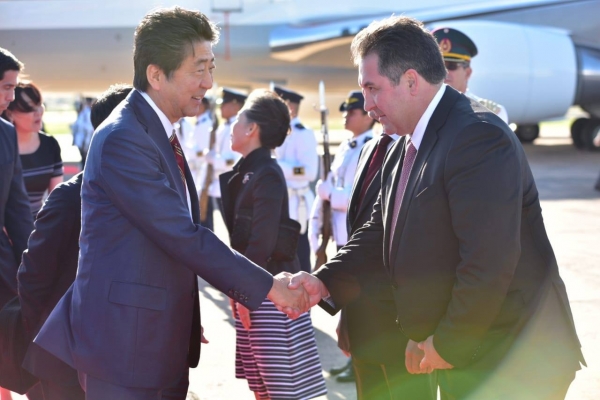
385,140
410,147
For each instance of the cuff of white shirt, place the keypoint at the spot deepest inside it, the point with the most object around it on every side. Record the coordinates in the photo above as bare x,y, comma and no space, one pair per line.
327,299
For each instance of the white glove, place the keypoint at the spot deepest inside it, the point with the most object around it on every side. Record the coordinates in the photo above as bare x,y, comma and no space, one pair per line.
324,189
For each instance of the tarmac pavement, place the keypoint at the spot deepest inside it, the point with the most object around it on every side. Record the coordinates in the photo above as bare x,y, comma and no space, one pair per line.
571,208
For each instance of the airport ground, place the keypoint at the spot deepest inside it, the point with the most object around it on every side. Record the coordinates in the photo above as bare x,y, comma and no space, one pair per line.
571,207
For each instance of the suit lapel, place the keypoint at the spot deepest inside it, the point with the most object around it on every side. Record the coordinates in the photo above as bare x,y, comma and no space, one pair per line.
430,137
154,127
394,163
355,207
191,187
224,180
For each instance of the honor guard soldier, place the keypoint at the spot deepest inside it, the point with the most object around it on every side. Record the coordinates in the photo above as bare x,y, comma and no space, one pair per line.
197,141
337,188
457,50
298,159
221,157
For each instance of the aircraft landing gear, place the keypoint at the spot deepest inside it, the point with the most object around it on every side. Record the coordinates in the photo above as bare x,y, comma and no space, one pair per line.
527,133
583,132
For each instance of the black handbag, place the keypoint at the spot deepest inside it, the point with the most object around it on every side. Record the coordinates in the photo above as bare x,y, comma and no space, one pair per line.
13,346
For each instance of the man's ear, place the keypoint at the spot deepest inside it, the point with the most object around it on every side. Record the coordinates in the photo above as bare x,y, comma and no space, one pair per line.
412,79
155,76
469,71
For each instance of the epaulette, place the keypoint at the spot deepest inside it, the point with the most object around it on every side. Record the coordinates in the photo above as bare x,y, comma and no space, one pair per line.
299,126
490,105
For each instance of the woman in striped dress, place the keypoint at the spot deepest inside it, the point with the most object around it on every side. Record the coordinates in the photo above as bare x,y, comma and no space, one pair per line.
278,356
40,153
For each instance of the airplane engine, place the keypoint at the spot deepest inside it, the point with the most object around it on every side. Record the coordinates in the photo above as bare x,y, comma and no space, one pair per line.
537,73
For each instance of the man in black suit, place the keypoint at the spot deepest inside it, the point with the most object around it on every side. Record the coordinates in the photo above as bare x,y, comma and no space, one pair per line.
15,217
367,328
50,263
458,227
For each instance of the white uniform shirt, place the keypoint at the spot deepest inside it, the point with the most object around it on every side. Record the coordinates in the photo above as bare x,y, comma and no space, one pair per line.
341,178
195,144
223,157
298,159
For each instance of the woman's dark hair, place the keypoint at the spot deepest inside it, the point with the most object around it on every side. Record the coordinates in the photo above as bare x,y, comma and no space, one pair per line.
19,103
269,112
165,38
107,102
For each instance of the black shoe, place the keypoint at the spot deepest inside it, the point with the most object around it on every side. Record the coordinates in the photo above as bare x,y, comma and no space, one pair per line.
346,376
336,371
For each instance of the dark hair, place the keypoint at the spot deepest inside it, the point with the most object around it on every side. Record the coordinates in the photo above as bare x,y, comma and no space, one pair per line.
165,38
8,62
271,114
401,43
107,101
19,103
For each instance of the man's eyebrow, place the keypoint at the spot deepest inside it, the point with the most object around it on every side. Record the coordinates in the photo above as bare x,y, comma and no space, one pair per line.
205,60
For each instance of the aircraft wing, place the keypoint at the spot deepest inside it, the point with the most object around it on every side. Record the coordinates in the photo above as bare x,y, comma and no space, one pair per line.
294,42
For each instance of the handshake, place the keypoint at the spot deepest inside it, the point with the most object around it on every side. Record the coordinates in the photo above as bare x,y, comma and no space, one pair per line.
296,294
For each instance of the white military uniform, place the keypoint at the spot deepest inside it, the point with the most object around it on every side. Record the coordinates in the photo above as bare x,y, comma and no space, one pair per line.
298,159
494,107
222,157
195,146
341,179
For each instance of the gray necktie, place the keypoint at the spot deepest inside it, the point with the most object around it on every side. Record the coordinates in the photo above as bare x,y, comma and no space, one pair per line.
409,160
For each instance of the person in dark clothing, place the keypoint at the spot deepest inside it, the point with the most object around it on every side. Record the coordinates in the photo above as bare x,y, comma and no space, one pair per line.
255,205
40,153
49,266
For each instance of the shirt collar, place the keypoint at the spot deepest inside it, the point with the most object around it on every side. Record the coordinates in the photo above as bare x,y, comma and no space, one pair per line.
417,135
169,127
361,138
294,121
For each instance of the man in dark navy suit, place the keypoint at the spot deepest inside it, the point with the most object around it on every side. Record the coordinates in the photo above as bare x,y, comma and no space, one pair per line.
15,223
50,263
130,323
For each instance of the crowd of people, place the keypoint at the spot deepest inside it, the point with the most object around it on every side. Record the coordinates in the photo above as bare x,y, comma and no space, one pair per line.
444,275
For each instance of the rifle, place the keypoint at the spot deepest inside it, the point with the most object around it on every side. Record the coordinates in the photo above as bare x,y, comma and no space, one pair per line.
203,197
326,231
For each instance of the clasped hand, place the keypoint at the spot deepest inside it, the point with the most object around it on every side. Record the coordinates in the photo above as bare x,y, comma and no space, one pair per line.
422,358
296,294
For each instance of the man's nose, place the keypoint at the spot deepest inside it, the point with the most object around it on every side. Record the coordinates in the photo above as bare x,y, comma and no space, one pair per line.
207,82
369,103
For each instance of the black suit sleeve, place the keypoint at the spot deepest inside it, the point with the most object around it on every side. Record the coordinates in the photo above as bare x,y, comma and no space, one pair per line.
483,185
363,250
18,219
54,237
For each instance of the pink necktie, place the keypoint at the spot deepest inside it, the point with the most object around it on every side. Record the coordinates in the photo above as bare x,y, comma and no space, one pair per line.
409,160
